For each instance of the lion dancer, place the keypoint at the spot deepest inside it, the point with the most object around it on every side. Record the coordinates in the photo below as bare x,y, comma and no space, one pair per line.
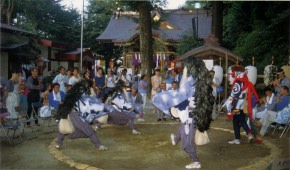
241,96
195,93
83,111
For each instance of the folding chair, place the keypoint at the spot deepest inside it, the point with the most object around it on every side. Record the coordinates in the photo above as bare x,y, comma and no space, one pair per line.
286,128
23,119
6,127
44,119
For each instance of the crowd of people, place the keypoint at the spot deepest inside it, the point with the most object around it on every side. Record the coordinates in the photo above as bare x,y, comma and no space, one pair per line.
118,98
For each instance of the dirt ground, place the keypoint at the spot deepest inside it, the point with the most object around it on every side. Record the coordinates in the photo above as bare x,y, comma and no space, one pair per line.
151,150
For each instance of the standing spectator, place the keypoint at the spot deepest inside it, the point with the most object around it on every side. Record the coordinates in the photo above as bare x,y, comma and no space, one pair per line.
110,81
135,79
68,74
13,95
142,88
100,83
34,87
61,79
75,78
282,81
48,79
156,83
161,115
22,86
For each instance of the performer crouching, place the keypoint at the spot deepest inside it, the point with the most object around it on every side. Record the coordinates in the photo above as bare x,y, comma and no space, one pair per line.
122,113
82,110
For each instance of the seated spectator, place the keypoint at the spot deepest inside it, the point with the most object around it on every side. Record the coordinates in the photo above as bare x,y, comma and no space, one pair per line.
268,103
174,86
45,110
136,101
283,116
270,116
56,96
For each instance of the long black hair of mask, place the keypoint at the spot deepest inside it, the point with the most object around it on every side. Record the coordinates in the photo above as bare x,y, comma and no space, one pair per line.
204,99
72,96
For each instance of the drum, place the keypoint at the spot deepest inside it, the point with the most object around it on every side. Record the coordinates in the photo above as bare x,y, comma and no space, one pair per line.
218,72
174,113
270,74
252,74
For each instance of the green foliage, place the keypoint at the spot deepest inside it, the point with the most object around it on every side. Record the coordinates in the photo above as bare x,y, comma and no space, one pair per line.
258,29
48,19
159,45
186,44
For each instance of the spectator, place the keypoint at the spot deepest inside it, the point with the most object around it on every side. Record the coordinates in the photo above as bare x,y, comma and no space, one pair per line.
126,78
142,88
12,95
75,78
21,85
268,103
215,83
100,83
110,81
136,79
45,110
34,87
156,83
282,81
48,79
56,96
68,74
270,116
137,102
160,114
61,79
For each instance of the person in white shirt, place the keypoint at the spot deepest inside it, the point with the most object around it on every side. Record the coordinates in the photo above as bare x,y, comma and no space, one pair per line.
110,81
268,102
61,79
126,78
75,78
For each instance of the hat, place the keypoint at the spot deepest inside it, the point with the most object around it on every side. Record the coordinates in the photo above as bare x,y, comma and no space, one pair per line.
280,71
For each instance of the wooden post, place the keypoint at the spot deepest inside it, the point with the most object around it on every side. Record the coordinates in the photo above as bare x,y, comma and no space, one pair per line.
226,82
253,61
220,59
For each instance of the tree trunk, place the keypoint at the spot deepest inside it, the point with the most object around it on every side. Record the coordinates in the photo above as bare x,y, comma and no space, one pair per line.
217,19
146,48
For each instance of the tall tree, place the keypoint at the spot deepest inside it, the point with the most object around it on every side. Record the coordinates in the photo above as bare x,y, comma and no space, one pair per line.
145,25
6,10
48,19
258,29
217,19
